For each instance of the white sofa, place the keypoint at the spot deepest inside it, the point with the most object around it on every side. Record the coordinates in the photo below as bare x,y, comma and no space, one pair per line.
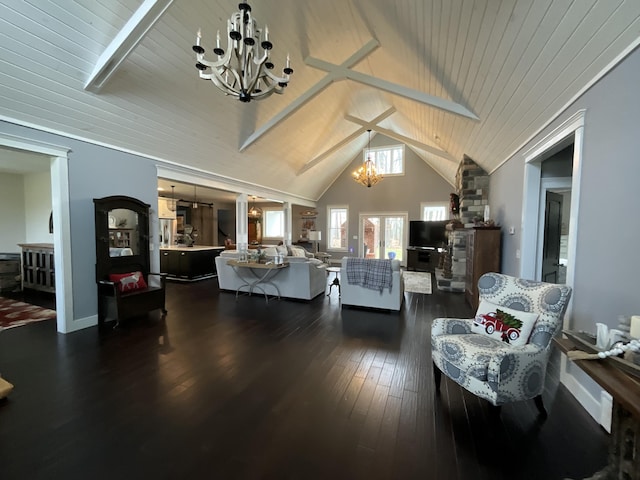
356,295
304,279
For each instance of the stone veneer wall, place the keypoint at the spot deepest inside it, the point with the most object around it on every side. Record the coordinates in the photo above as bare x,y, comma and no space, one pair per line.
472,183
458,250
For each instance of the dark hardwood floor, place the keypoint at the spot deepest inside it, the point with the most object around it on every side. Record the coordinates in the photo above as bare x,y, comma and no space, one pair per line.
290,390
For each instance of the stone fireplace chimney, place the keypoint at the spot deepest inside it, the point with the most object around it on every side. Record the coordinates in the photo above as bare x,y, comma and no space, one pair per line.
472,183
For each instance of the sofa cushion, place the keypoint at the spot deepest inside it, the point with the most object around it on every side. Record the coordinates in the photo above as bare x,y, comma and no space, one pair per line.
298,252
296,259
502,323
270,251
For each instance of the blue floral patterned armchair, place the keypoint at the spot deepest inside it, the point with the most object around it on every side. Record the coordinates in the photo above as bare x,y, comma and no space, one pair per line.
501,355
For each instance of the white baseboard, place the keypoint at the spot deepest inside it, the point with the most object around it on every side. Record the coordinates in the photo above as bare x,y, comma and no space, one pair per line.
81,323
600,410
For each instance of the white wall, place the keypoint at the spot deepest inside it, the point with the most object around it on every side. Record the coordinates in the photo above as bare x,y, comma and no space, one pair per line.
37,201
12,213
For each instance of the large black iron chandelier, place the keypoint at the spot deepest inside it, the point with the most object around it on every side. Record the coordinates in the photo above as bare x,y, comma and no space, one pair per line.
367,175
243,70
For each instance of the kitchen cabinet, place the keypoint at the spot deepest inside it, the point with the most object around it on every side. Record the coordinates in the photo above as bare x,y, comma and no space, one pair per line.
164,210
189,263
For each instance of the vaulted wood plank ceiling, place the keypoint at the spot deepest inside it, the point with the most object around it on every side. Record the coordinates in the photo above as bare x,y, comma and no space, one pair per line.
513,64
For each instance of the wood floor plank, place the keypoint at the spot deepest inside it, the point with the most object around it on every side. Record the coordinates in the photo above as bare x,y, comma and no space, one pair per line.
287,390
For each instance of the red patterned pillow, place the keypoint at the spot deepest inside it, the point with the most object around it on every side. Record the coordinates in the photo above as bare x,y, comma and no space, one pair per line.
128,282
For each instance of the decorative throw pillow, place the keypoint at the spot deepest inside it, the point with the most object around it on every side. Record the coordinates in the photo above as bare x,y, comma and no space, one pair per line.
298,252
502,323
128,282
282,250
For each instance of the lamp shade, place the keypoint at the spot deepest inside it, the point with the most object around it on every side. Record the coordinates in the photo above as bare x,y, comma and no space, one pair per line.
315,236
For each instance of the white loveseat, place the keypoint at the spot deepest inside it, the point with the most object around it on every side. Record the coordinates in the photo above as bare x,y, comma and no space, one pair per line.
304,279
356,295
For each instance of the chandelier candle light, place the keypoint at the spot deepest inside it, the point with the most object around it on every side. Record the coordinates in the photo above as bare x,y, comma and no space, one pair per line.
367,175
243,70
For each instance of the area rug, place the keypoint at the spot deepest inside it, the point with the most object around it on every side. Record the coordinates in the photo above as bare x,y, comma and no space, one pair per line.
417,282
15,314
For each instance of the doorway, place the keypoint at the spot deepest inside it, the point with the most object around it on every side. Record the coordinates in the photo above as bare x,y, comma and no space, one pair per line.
383,235
568,134
553,252
56,161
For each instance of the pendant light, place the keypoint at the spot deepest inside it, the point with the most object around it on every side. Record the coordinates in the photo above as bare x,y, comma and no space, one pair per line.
171,205
195,198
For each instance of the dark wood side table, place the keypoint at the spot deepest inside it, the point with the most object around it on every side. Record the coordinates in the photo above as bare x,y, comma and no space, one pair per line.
336,280
624,447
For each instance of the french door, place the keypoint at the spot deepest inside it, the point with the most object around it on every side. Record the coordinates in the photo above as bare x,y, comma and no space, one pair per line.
382,235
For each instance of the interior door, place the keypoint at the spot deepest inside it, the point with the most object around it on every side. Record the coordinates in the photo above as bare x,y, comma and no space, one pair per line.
552,232
383,236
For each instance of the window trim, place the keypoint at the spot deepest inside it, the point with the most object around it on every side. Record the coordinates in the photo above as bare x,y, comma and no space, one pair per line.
337,207
423,205
264,222
386,147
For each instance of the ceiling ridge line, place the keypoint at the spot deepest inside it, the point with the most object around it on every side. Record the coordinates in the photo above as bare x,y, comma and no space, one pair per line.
313,162
308,95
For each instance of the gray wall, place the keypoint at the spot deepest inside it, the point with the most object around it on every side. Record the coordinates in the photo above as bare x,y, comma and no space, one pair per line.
607,262
394,194
95,172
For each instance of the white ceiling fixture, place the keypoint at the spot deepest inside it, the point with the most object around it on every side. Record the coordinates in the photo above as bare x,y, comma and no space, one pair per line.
242,70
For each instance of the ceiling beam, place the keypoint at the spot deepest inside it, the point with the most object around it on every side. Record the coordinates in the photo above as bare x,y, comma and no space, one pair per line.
343,71
339,72
125,42
309,94
342,143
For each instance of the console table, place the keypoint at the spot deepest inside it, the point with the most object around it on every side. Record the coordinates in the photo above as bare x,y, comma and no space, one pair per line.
38,269
624,448
258,280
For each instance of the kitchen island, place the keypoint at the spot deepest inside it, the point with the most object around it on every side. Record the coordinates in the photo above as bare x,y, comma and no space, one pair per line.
184,263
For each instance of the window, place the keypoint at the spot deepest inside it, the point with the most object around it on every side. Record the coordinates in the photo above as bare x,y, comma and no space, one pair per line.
434,211
387,160
273,223
337,226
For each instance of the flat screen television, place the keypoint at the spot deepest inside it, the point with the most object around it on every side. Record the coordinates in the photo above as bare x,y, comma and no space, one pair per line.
427,234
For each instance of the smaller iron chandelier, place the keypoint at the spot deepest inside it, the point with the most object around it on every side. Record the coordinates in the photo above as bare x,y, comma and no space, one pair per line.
243,69
255,212
367,175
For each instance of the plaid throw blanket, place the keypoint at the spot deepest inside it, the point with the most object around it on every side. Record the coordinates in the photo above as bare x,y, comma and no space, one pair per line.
369,273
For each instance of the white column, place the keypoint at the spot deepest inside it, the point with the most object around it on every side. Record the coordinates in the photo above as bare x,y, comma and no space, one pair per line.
242,221
286,209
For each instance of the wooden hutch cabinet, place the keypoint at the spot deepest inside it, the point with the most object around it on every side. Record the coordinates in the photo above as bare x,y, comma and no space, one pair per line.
38,272
483,255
